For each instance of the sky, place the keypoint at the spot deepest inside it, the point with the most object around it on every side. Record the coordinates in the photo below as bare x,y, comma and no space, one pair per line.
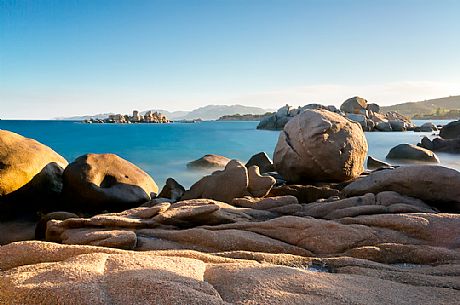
76,57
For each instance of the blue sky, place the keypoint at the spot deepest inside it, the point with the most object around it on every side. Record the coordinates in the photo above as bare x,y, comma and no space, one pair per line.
60,58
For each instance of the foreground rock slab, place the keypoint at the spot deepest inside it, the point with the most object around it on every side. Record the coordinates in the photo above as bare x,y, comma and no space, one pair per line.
47,273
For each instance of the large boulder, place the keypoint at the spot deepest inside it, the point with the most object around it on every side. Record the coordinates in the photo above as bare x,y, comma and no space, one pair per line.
98,182
356,105
410,152
319,145
436,185
233,182
208,161
451,130
441,145
28,170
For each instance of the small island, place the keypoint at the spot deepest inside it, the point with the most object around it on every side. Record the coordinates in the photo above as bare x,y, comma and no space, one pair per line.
148,117
244,117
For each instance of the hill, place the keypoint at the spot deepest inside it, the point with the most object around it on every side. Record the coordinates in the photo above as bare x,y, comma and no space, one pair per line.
427,107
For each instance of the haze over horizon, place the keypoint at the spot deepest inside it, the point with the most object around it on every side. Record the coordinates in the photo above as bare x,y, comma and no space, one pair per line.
80,57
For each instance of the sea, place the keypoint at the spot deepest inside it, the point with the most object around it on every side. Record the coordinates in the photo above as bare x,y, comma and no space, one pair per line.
163,150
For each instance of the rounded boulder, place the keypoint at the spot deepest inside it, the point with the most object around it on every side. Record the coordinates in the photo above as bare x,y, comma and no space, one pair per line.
98,182
319,145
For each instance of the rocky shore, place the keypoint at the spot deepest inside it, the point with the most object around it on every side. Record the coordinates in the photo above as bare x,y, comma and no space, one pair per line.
148,117
356,109
311,227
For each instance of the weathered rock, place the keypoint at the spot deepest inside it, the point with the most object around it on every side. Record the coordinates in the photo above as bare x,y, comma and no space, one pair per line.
258,185
233,182
280,204
356,105
397,125
98,182
263,161
412,153
273,122
359,118
46,273
304,193
319,145
439,144
373,163
428,127
373,107
224,185
451,130
40,229
395,116
208,161
383,126
28,170
426,143
172,190
435,185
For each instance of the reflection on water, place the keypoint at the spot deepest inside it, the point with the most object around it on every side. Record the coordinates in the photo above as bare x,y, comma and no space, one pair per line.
164,150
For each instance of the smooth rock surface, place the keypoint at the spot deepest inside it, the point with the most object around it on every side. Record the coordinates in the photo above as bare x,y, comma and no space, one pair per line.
319,145
412,152
98,182
451,130
208,161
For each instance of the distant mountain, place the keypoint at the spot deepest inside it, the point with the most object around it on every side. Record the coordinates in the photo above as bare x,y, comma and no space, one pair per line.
426,107
210,112
213,112
100,116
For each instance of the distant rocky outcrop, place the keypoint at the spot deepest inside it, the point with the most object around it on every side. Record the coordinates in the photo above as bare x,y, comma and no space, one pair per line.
244,117
356,109
148,117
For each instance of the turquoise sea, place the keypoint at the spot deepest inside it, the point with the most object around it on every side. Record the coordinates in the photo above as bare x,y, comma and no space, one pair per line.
163,150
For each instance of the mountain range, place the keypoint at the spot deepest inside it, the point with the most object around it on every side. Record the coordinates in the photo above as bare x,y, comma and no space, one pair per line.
209,112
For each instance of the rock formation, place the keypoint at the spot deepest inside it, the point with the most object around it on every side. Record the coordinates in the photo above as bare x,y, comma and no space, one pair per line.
98,182
148,117
30,173
319,145
208,161
234,181
409,152
451,130
356,109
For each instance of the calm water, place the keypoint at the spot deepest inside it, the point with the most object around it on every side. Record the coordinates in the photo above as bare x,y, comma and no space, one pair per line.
164,150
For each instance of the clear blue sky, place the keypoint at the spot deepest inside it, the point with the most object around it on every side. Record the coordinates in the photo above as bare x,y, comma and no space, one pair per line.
83,57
